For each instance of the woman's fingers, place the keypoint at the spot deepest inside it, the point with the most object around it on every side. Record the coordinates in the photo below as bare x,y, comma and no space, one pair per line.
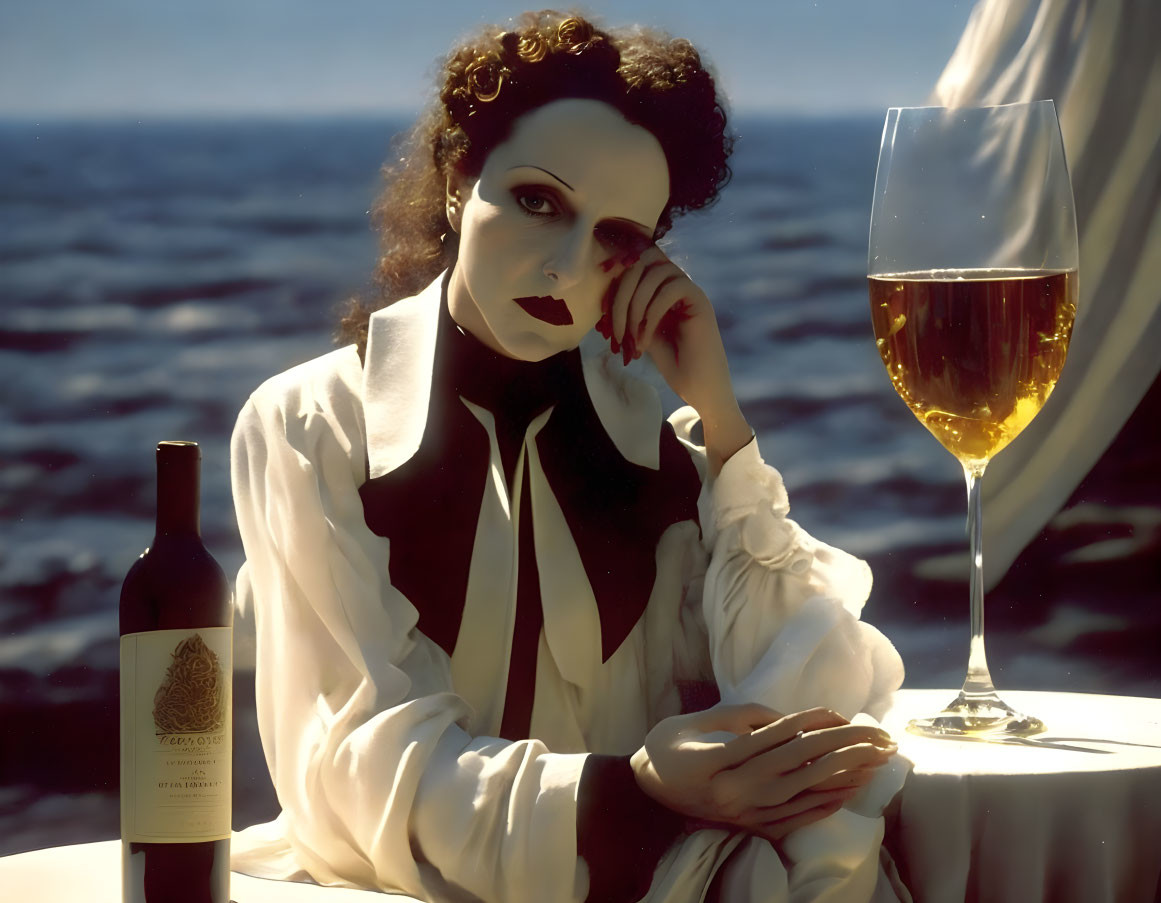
774,734
648,301
635,288
740,718
627,282
816,743
776,776
666,299
862,755
756,784
778,744
619,309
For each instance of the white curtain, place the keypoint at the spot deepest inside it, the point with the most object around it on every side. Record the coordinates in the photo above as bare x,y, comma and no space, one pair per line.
1100,60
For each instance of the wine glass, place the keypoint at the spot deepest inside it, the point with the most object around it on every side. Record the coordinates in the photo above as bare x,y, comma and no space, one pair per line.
972,270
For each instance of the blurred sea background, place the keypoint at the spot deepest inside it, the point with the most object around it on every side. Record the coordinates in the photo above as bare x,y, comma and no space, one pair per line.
153,273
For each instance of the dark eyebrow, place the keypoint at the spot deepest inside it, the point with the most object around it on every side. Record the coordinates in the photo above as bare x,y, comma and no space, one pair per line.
543,170
646,231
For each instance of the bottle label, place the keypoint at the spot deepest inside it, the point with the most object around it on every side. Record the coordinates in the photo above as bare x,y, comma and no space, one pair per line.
176,712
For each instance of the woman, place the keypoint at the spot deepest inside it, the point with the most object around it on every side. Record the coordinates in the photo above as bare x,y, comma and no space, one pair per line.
481,565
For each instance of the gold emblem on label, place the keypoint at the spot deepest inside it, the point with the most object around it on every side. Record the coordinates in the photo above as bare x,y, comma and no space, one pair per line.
192,697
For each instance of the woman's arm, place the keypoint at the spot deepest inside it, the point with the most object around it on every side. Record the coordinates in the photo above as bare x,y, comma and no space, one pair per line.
765,573
781,609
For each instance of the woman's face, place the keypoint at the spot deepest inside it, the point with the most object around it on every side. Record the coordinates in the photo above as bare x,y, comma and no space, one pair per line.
573,187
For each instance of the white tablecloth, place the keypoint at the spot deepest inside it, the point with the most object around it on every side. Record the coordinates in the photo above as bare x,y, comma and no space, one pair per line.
92,872
1073,814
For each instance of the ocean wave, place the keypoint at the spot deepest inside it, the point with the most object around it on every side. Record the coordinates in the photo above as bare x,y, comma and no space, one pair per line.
159,296
801,328
30,341
304,226
795,241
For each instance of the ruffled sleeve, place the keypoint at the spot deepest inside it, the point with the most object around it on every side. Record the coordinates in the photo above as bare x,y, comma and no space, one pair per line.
781,608
380,782
781,611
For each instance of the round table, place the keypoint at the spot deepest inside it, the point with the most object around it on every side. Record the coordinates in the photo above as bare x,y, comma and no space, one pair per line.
92,872
1073,814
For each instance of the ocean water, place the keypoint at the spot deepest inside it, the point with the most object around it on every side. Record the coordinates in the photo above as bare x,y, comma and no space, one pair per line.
153,273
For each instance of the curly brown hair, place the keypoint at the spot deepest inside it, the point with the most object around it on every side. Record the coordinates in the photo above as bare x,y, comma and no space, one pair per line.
497,75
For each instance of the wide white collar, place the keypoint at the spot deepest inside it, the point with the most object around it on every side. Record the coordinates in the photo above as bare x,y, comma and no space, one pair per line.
397,379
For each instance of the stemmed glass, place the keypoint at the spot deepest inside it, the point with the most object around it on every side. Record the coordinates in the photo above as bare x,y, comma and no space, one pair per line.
972,269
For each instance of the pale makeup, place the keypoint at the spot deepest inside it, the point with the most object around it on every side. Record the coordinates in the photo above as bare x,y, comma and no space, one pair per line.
574,186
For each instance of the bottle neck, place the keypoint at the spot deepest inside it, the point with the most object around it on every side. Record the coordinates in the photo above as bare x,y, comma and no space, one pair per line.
177,490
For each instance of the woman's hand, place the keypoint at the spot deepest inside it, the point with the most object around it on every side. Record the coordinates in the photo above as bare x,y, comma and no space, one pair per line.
778,774
653,307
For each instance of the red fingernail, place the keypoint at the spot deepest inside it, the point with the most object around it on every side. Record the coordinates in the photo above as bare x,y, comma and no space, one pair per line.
607,265
615,345
641,328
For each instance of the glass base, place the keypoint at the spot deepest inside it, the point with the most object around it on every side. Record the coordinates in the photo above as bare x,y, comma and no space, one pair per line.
977,716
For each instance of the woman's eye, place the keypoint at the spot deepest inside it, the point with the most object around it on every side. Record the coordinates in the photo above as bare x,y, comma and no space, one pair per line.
535,203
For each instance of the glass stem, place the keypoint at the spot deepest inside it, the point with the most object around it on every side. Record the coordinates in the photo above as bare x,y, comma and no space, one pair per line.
979,680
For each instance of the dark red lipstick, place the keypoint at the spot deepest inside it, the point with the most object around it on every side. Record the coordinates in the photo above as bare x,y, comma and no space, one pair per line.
551,310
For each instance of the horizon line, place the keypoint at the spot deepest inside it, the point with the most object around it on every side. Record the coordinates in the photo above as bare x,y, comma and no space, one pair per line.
354,113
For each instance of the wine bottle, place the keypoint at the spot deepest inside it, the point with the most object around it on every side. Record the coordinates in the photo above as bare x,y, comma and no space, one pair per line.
176,706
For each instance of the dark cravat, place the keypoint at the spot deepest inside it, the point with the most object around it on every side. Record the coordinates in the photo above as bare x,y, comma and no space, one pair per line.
616,511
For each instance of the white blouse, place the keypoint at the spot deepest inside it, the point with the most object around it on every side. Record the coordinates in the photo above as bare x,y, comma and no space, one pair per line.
384,750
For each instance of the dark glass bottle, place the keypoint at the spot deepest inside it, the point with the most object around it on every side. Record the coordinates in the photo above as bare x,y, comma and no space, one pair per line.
176,674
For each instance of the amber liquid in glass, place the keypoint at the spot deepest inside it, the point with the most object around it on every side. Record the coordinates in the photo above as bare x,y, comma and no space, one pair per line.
974,353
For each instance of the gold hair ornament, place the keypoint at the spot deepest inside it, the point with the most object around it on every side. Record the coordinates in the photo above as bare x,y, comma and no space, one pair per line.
484,77
532,48
575,35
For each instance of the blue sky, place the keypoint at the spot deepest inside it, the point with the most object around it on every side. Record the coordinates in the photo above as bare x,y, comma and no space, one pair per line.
179,57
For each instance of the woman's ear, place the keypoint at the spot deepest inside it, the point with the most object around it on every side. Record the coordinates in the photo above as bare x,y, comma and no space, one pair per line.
455,207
